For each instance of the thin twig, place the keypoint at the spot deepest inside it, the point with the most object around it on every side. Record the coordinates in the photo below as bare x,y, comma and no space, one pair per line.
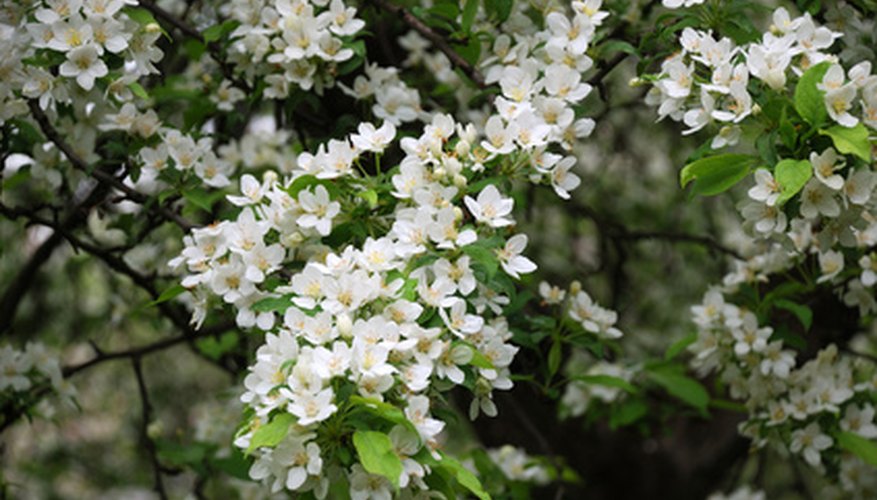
102,176
437,40
147,440
213,48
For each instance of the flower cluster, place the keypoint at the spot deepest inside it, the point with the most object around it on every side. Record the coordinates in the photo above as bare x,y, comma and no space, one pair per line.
387,319
708,80
540,75
292,42
21,371
802,408
394,101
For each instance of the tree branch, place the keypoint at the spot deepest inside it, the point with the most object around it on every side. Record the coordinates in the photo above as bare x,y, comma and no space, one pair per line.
213,48
147,440
102,176
437,40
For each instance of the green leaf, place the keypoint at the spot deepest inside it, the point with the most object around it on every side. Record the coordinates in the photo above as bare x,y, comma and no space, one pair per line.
269,304
802,312
498,10
679,346
859,446
200,198
138,90
608,381
169,294
792,175
809,101
850,140
716,174
469,11
377,455
370,196
271,434
464,476
139,15
383,410
554,357
219,31
611,46
627,412
681,386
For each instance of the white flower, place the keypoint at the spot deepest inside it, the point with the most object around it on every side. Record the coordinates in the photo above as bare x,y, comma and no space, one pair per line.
311,408
226,95
824,166
810,441
860,420
838,102
511,260
831,263
562,180
458,321
84,64
818,199
766,189
551,294
777,360
500,139
859,186
371,139
490,207
319,210
365,486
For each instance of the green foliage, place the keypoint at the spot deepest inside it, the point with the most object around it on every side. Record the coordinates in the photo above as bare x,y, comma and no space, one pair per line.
716,174
676,383
859,446
850,140
792,175
271,434
377,455
809,100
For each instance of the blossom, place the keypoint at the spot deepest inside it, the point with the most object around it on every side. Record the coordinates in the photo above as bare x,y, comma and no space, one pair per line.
511,260
490,207
319,210
810,442
85,65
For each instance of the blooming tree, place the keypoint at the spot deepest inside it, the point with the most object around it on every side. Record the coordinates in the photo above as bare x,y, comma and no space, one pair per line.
438,248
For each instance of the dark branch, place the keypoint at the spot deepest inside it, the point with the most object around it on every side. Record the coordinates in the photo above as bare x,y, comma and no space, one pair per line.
147,440
213,48
102,176
437,40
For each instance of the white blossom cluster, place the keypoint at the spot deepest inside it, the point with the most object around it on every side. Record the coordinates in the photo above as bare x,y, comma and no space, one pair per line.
357,316
23,370
417,307
800,408
707,81
540,75
517,465
47,46
291,42
394,101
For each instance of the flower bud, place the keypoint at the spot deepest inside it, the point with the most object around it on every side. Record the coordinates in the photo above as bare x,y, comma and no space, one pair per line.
462,148
460,181
154,429
575,287
458,214
344,324
152,28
